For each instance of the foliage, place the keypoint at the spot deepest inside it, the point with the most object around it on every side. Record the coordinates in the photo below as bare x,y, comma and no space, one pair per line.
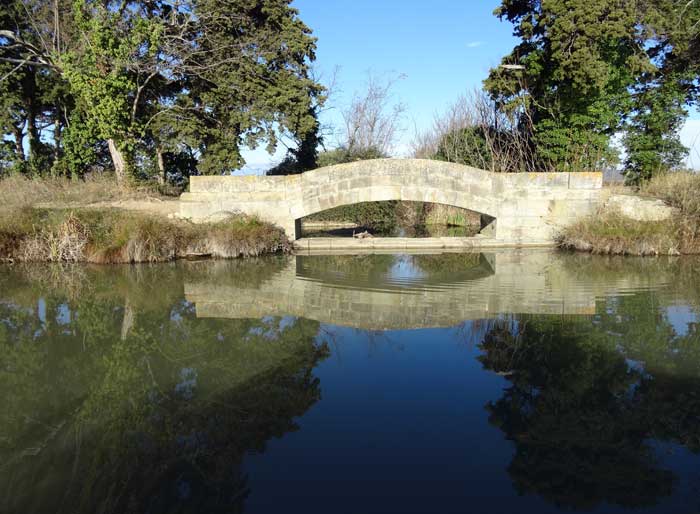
156,85
474,132
587,70
663,94
365,214
468,146
652,139
344,154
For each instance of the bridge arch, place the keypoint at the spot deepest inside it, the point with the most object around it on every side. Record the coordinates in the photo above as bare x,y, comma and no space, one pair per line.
529,207
398,180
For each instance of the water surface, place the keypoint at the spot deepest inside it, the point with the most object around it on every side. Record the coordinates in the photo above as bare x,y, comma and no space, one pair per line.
514,381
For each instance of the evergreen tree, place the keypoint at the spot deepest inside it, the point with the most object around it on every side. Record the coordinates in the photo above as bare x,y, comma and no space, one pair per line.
587,70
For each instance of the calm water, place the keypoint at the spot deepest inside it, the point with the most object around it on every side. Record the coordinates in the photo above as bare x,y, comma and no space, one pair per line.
510,382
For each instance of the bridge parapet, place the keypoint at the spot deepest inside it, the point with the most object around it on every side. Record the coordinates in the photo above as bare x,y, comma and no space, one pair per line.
528,207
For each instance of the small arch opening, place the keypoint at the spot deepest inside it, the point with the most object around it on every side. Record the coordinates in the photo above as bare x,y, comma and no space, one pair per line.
407,219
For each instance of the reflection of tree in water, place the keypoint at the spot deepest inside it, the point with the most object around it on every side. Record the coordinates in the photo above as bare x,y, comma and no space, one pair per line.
370,265
155,421
446,267
581,416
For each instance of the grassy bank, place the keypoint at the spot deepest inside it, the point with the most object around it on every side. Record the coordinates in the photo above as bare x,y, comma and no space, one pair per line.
610,232
115,236
81,226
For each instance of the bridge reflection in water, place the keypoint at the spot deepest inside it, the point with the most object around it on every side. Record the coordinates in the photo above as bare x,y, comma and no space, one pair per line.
390,292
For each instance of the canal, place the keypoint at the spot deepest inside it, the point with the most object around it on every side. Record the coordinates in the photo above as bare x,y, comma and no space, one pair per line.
511,381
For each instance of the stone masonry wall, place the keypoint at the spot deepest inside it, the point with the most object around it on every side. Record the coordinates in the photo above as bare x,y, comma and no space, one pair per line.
528,207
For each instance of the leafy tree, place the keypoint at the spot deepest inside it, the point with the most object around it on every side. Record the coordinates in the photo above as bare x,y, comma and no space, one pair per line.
587,70
571,70
32,96
662,95
196,77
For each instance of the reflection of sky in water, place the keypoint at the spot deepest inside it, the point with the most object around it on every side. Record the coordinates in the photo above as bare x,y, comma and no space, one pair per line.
680,316
404,268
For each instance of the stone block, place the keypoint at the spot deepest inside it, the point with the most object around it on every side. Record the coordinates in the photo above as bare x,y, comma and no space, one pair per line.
641,209
586,180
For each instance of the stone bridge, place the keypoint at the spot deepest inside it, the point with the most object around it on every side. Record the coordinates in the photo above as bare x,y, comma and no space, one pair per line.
516,208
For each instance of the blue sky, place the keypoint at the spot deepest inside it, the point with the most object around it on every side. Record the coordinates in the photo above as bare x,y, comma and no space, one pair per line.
443,48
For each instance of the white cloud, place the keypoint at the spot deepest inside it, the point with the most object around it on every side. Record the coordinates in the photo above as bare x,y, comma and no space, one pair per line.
475,44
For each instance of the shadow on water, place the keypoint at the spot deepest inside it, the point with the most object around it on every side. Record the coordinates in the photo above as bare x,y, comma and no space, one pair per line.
145,388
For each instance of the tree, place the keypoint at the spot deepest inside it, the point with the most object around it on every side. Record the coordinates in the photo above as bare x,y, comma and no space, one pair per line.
372,120
221,74
572,70
662,95
33,98
591,69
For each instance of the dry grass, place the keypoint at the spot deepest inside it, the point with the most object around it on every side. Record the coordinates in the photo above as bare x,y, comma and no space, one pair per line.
114,236
679,189
439,214
614,234
98,234
17,191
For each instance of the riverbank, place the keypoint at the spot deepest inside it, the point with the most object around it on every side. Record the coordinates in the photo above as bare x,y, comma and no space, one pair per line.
94,220
112,236
615,232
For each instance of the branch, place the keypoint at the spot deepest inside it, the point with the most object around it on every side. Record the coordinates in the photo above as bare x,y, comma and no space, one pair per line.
26,61
139,90
13,70
42,59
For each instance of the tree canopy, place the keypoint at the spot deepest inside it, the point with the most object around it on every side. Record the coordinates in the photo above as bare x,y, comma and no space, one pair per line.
585,71
151,83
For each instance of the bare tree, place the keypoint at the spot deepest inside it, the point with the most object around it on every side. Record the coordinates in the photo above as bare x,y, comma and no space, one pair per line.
373,118
475,132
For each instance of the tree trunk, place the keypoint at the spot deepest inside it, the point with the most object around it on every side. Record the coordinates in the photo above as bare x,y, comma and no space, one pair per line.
57,135
19,146
31,105
161,165
119,161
